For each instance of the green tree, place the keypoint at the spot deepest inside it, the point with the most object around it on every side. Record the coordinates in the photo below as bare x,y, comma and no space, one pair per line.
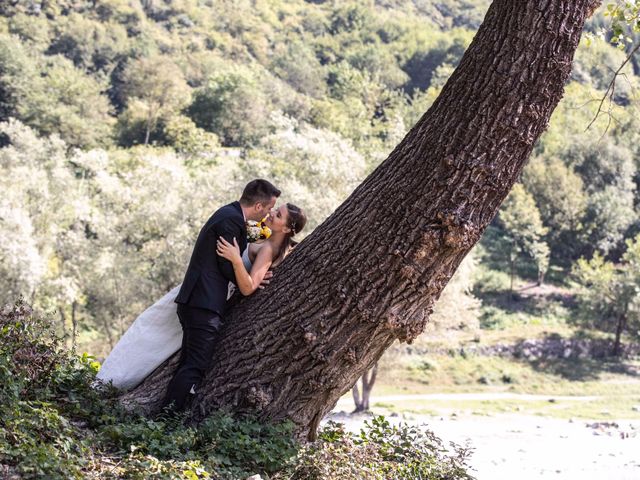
232,106
610,293
559,194
521,220
41,204
296,63
66,101
182,134
92,45
607,170
154,88
50,94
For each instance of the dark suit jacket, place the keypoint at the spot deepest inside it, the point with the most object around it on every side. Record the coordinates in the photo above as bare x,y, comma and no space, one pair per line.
206,282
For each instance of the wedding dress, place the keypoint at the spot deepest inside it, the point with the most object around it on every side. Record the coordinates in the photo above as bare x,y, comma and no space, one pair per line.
152,338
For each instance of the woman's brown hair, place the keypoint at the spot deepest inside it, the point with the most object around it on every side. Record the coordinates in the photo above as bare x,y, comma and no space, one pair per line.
296,220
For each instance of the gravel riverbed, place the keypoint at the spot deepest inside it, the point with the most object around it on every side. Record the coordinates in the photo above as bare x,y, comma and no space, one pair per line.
521,447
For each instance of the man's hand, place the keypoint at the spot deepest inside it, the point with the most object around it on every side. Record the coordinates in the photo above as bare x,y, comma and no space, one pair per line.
266,280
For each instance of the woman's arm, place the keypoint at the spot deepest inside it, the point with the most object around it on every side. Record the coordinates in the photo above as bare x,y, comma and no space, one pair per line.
247,282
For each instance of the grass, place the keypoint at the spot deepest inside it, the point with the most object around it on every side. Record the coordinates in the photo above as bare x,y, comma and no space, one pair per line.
607,392
445,362
600,389
604,408
459,374
586,388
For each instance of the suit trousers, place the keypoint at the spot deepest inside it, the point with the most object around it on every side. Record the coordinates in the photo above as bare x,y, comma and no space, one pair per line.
200,332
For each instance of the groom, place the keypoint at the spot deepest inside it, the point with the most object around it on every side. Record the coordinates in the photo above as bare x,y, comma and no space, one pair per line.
203,295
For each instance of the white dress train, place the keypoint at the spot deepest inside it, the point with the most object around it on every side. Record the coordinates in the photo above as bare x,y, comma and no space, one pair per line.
152,338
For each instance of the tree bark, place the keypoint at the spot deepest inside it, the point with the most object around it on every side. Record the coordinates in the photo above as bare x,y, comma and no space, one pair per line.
74,324
63,323
620,327
368,379
541,274
512,268
372,271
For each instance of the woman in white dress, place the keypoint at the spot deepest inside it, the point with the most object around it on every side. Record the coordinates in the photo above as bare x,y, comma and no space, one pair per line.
156,334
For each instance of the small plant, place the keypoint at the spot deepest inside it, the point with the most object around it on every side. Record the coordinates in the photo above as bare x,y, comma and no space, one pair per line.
55,422
380,451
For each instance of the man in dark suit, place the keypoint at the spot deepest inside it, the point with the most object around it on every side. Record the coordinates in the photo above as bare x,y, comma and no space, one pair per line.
203,295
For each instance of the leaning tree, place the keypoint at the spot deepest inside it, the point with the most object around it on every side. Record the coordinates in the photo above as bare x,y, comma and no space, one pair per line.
372,271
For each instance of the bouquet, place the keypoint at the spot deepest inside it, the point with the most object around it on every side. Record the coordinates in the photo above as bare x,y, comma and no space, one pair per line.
257,231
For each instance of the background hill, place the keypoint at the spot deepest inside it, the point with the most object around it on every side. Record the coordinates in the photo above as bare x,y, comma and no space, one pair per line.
125,123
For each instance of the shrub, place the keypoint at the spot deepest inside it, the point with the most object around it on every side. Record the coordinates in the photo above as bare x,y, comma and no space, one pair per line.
56,422
41,388
380,451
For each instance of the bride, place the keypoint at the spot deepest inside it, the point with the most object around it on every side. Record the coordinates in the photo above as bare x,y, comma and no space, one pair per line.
156,334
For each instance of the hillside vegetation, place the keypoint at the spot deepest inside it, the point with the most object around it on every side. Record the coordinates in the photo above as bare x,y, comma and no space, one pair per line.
125,123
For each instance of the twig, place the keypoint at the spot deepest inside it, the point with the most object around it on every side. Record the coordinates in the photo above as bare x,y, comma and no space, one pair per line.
611,89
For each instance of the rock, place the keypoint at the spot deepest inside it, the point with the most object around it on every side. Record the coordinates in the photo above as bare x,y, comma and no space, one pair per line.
636,408
254,477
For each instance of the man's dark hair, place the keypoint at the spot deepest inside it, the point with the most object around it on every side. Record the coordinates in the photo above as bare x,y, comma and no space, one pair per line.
258,190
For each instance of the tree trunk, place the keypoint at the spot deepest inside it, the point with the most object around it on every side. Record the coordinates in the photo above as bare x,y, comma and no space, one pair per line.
356,398
512,266
620,326
63,322
367,380
74,324
147,131
372,271
541,274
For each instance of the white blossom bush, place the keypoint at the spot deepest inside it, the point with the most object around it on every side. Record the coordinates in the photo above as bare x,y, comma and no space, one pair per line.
316,169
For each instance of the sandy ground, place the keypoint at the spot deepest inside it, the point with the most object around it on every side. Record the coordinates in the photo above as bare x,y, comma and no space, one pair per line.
520,447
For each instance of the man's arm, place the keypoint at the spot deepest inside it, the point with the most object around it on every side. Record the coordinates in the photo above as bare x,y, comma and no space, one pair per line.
228,230
247,282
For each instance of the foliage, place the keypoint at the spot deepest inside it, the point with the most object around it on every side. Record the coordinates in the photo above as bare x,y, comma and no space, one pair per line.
521,219
56,422
560,196
610,293
457,307
42,389
624,15
154,88
380,451
233,107
303,161
608,172
51,95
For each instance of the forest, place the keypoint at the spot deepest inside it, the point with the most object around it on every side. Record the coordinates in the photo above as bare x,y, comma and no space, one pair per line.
125,123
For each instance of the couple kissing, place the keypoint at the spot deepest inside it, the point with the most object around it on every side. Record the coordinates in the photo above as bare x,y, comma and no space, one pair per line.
191,315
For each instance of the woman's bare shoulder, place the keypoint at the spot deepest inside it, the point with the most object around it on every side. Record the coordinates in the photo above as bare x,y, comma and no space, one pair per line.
266,248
